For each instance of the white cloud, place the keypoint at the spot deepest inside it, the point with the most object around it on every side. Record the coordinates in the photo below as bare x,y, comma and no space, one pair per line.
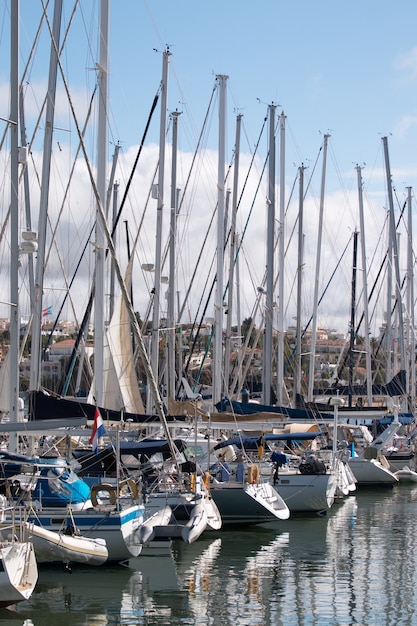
406,64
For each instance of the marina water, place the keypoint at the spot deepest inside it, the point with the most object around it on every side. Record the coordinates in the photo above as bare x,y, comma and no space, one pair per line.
357,565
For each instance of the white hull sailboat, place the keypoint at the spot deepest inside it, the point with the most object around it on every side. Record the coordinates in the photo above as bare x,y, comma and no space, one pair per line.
184,517
306,492
245,503
371,473
18,565
18,572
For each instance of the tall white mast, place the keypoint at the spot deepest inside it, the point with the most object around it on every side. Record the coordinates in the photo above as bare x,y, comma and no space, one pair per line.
100,247
35,370
14,221
394,244
281,274
159,213
218,305
267,347
172,257
410,304
233,260
316,281
365,291
297,372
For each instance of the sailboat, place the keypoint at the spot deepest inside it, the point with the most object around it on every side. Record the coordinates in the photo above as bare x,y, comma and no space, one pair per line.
18,564
176,502
237,488
57,501
18,571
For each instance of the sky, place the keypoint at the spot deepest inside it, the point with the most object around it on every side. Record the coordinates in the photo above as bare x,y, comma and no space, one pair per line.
347,70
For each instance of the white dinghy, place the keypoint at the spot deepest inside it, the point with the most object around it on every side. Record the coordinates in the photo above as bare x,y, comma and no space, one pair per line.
57,547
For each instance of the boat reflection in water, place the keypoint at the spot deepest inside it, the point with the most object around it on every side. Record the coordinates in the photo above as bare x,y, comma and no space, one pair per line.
334,569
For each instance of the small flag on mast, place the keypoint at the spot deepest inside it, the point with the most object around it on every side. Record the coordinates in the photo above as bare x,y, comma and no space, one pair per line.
47,311
98,431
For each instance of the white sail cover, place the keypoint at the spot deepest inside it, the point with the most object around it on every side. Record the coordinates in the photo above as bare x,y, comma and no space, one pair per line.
120,386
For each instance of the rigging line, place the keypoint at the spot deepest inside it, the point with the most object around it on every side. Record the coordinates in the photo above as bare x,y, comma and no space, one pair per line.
200,139
49,339
376,281
327,285
29,147
132,317
241,196
37,124
241,241
190,282
87,313
252,324
37,35
129,182
239,247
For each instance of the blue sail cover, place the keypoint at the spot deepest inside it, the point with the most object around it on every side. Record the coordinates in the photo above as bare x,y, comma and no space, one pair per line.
55,482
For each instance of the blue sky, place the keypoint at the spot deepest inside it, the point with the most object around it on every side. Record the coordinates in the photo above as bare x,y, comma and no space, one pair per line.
347,69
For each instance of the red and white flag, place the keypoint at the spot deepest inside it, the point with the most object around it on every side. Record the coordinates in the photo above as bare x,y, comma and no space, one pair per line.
98,431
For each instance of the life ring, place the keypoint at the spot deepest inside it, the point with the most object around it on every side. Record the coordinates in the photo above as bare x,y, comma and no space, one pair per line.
206,479
95,489
129,482
253,474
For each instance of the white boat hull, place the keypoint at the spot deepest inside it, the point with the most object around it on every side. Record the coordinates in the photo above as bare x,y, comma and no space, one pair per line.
371,473
176,516
119,529
406,475
306,492
242,503
18,572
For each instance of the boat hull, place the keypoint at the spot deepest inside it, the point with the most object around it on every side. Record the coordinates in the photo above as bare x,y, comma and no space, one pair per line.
119,529
371,473
51,547
239,505
306,492
18,572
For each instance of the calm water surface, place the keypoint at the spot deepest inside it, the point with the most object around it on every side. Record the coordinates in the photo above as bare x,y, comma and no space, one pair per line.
356,566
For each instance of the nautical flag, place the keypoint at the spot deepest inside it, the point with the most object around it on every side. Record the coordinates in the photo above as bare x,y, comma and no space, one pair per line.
98,431
47,311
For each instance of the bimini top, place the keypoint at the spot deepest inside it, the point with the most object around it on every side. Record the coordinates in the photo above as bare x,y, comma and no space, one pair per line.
253,443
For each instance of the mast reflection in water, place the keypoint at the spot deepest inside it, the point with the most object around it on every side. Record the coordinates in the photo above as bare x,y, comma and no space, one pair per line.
358,565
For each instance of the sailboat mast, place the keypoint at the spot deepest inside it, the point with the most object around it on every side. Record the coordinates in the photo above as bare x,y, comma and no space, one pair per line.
365,291
35,370
14,220
352,316
410,304
267,347
281,253
23,142
297,372
218,305
394,244
159,212
233,260
172,256
316,281
100,248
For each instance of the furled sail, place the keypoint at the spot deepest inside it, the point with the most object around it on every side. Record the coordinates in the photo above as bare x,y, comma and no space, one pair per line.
120,385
